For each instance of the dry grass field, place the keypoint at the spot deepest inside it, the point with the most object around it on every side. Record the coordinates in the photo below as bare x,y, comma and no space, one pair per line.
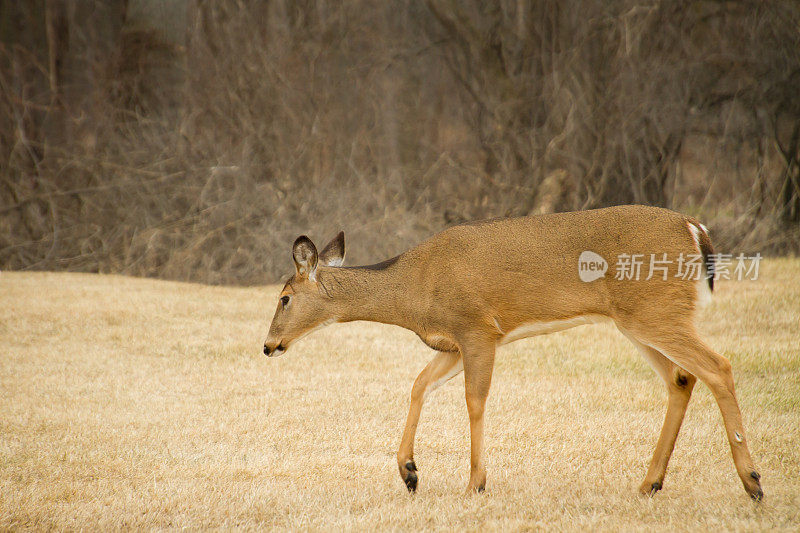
132,403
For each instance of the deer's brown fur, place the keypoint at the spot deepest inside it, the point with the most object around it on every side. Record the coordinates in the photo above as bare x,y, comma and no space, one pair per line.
475,286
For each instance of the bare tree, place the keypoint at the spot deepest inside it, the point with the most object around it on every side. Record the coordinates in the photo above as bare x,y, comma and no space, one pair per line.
193,139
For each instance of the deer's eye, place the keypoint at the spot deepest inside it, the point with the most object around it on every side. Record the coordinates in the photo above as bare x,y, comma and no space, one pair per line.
285,301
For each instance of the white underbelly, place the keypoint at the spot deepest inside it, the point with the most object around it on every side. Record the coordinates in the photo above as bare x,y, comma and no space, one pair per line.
531,329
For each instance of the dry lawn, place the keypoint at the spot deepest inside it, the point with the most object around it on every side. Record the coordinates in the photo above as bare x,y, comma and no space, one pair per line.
133,403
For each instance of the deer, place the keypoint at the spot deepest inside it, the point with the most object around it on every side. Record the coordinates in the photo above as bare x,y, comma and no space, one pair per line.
476,286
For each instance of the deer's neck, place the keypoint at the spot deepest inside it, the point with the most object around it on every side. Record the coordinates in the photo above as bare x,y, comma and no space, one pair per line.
378,294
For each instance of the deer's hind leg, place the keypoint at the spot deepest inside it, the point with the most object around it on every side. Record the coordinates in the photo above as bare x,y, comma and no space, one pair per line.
443,367
679,387
681,344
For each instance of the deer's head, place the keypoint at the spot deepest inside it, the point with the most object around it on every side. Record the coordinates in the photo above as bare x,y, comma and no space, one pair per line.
302,306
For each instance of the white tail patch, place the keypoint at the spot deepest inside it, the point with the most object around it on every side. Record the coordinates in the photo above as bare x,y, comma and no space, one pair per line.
696,234
703,290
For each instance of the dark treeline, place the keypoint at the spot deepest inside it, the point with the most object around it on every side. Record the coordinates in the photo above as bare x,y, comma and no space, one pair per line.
195,139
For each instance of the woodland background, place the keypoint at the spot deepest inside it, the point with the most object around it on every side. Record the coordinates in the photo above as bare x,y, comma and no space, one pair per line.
194,139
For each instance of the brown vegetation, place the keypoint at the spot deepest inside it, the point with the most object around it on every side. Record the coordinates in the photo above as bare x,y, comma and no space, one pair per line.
193,140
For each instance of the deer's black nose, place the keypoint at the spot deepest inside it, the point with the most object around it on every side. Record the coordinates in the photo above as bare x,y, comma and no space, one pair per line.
272,351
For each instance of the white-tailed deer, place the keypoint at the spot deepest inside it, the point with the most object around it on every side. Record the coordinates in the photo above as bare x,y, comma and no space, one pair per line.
475,286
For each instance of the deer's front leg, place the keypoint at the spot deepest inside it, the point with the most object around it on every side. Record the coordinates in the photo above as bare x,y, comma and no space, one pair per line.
444,366
478,366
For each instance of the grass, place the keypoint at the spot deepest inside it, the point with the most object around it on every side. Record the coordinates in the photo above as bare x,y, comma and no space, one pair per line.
133,403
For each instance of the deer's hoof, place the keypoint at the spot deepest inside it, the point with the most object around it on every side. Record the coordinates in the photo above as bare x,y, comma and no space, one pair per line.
477,489
410,476
753,487
411,481
649,489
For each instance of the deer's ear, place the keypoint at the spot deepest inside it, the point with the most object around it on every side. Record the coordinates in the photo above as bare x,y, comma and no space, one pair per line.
333,253
305,258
